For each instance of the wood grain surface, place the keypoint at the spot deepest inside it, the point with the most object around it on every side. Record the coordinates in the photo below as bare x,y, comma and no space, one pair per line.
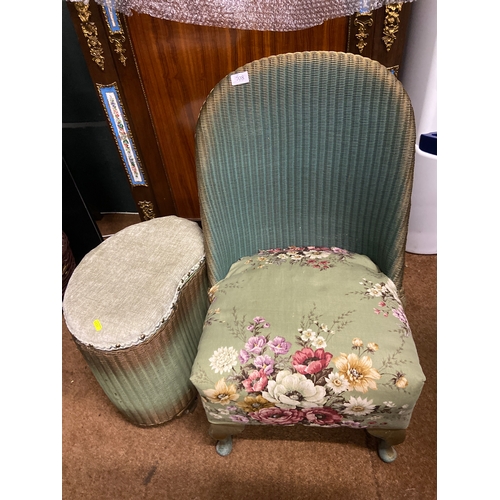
180,64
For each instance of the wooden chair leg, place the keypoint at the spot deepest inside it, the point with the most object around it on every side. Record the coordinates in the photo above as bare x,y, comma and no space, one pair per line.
223,434
387,439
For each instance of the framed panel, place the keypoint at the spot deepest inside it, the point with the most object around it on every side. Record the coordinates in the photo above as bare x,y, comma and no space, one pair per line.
114,110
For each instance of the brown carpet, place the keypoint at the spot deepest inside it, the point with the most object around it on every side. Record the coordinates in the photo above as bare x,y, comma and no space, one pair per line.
106,457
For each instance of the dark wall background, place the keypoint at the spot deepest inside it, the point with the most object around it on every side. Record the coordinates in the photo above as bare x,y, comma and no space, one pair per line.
93,180
88,145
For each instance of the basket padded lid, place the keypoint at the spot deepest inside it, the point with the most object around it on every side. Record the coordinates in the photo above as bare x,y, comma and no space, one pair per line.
124,289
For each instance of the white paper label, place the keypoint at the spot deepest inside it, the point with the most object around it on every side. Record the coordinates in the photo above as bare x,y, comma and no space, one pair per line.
240,78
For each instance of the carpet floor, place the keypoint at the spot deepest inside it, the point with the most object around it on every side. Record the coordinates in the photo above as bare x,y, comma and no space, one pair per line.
104,457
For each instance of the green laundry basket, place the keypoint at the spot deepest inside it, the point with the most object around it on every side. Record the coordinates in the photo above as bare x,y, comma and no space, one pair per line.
135,306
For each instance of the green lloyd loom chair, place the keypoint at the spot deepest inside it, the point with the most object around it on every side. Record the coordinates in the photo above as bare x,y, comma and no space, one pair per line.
305,175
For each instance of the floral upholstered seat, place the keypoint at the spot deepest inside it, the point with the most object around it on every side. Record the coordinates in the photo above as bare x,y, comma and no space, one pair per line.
307,335
304,177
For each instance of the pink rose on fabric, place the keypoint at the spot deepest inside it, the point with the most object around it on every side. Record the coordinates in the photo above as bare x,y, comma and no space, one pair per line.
277,416
340,251
256,382
279,345
308,361
322,416
255,344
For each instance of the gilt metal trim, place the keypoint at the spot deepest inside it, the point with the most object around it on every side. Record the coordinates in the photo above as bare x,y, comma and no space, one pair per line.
394,70
89,30
147,209
391,24
363,20
116,35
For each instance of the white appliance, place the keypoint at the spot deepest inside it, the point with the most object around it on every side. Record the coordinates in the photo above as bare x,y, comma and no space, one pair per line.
419,78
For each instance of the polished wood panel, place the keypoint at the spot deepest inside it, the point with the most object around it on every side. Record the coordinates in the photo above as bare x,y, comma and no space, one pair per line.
179,64
171,68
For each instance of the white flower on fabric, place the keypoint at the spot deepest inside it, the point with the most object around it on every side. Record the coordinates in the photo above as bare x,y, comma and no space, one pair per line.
319,343
223,359
308,335
359,406
376,291
293,253
317,254
391,288
290,391
337,383
406,410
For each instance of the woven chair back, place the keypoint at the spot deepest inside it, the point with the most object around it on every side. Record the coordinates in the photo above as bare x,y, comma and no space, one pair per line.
317,148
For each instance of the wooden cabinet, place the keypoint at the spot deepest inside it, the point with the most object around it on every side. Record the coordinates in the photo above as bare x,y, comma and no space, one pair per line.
153,75
381,34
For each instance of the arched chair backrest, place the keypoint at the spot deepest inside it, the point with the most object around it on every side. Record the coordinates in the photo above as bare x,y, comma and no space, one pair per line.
316,149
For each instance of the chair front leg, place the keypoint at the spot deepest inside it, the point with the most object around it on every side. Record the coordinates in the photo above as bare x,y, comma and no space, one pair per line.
223,434
387,439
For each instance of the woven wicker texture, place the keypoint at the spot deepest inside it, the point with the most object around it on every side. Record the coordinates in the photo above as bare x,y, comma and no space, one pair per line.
149,383
317,149
146,286
130,281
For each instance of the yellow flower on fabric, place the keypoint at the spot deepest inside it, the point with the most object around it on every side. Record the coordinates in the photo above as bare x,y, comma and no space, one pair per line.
358,372
222,394
357,342
400,380
372,347
254,403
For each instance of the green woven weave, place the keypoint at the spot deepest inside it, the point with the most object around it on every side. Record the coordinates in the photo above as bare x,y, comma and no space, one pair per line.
135,307
316,149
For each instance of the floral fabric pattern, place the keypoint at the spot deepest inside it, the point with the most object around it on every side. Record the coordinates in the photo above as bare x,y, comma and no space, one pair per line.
318,257
307,335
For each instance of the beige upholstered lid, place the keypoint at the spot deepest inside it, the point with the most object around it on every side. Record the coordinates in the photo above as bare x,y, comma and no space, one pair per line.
124,290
